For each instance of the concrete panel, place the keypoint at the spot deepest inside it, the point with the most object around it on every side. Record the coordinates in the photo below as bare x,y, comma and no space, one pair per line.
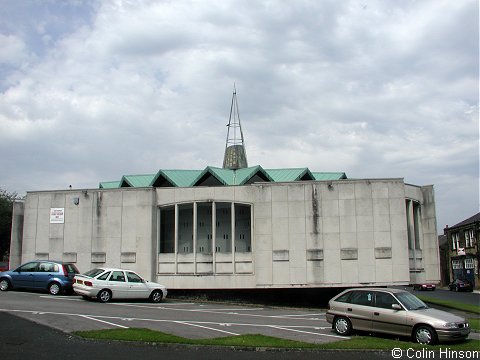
331,224
314,254
329,190
346,207
364,207
346,191
114,221
348,254
380,190
366,274
398,222
165,196
246,194
384,270
364,223
279,193
298,276
264,193
381,223
397,206
263,243
332,275
363,190
184,194
349,271
187,268
128,257
297,258
382,239
348,224
401,273
204,193
224,193
280,234
263,210
279,209
45,201
296,209
329,208
263,227
281,255
69,257
365,240
112,198
383,253
99,257
315,273
243,268
296,226
166,268
366,257
348,240
396,189
381,207
331,241
281,273
30,225
314,241
296,193
205,268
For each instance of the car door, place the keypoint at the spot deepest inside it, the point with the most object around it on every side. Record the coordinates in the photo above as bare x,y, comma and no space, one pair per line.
24,276
118,284
360,309
137,288
386,319
45,272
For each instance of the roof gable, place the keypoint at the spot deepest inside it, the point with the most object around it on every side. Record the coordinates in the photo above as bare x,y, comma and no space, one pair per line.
136,180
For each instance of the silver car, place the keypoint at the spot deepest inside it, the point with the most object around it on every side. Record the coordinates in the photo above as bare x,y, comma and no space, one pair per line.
393,311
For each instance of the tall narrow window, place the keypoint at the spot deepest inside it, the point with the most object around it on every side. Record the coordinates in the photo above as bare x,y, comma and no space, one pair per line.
204,227
167,230
223,240
185,228
417,215
455,244
243,241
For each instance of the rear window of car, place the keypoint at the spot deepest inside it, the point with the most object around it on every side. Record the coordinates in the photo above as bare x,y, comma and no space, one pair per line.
71,268
104,276
94,272
344,298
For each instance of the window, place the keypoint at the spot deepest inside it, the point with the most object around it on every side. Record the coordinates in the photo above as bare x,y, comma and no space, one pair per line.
362,298
242,228
456,264
384,300
94,272
224,218
469,238
455,243
118,276
30,267
104,276
469,264
133,278
344,298
167,230
47,267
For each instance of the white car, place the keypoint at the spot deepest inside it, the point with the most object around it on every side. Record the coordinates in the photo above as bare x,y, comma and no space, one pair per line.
107,283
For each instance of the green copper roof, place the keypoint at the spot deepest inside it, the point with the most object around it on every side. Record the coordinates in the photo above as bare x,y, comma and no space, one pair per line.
214,176
109,184
136,180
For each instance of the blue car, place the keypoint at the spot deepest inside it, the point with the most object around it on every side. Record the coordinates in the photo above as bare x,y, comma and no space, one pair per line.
54,276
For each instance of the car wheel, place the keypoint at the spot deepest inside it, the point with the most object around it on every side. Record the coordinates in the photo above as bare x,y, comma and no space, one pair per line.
425,335
342,326
54,288
156,296
104,295
4,284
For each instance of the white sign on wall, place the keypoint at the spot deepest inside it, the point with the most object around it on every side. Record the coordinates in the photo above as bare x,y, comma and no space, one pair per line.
57,215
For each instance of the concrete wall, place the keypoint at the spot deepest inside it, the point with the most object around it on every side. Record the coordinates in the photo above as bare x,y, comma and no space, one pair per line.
101,228
303,234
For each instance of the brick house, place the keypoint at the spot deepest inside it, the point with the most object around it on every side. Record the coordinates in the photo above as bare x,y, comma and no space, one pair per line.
464,255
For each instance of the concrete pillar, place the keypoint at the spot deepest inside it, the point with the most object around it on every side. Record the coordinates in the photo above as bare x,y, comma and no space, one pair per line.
16,238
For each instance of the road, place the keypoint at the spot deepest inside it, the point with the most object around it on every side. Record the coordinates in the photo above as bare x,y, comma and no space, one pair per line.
22,339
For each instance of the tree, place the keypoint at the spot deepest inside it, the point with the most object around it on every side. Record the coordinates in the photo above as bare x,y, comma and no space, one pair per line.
6,207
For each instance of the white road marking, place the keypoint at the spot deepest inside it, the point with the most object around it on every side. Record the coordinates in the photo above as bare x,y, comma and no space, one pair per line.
205,327
307,332
191,323
222,311
103,321
50,297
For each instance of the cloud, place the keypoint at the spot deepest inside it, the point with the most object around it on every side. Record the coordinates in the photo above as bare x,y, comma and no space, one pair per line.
93,91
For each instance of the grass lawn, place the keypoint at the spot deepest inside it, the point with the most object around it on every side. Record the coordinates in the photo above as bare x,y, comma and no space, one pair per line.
256,341
474,309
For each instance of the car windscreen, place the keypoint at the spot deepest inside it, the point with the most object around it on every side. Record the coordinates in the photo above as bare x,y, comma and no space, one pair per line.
410,301
94,272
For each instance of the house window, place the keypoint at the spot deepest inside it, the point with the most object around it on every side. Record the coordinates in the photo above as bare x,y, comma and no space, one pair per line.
456,264
469,263
469,239
455,244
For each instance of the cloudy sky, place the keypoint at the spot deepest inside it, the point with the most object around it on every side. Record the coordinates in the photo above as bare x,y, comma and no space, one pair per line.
93,90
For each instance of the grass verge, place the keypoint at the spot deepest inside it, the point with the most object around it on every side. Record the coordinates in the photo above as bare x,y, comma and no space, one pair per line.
474,309
261,341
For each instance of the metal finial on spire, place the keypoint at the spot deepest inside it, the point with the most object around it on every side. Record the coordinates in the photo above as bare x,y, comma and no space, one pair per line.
235,154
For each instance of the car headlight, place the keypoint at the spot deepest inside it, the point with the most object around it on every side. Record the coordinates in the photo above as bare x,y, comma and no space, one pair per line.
450,325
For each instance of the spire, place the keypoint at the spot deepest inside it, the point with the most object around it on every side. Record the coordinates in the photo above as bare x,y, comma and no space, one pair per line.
235,154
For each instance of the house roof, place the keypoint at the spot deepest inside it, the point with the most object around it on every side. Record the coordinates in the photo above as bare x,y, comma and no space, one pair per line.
468,221
214,175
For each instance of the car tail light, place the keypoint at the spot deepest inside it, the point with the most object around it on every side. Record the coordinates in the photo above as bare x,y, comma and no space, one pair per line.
65,270
87,283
